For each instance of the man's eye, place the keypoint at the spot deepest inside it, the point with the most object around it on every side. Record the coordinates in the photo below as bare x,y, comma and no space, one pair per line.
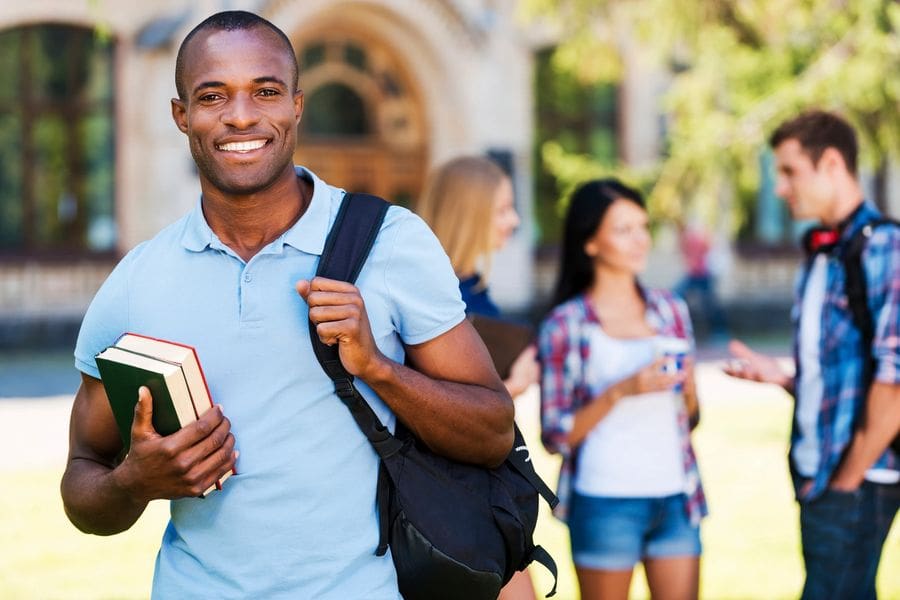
268,92
208,97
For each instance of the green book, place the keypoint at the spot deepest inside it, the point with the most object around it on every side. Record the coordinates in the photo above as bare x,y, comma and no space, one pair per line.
173,373
123,372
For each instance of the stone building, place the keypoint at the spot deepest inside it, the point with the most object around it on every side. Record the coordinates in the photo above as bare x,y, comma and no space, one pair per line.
91,162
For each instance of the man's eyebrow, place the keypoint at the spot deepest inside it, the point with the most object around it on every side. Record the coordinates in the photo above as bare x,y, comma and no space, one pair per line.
270,79
208,84
258,80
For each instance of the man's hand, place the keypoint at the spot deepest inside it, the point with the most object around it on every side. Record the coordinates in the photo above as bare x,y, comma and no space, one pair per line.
880,423
103,497
183,464
338,312
754,366
451,398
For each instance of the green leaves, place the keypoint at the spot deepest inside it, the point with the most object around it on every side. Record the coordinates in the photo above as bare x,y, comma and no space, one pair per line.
738,68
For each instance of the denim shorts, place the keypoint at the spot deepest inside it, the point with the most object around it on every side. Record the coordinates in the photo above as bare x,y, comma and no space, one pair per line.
617,533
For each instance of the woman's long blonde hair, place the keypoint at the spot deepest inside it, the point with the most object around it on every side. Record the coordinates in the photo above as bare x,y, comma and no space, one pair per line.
458,205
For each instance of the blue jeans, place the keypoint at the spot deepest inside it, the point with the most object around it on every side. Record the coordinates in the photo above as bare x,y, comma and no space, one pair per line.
843,534
614,534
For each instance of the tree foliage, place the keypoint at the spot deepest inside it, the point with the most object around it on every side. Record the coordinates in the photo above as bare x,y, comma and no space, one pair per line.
738,67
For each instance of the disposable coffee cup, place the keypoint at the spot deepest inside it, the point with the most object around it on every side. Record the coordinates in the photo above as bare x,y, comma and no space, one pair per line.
675,350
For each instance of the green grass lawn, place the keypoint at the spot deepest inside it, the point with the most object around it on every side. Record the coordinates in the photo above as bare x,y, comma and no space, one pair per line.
751,542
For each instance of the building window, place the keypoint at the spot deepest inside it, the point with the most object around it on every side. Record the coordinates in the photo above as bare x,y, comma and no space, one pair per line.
337,110
56,141
582,118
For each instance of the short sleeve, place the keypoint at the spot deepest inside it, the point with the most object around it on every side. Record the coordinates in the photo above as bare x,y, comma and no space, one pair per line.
105,320
426,301
560,359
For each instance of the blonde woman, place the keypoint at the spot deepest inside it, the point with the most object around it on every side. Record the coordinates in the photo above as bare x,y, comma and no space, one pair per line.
468,203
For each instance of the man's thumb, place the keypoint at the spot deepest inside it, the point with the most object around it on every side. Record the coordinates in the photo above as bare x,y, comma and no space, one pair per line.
303,288
143,412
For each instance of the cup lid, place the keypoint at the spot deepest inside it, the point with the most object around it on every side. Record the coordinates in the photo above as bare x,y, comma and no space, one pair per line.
673,345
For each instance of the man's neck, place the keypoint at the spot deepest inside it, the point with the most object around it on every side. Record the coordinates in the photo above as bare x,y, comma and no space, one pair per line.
847,200
247,223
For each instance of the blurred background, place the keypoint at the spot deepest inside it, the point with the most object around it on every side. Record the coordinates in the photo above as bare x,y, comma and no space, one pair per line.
675,97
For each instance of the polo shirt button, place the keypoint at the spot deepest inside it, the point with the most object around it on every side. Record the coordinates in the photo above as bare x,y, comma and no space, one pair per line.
247,278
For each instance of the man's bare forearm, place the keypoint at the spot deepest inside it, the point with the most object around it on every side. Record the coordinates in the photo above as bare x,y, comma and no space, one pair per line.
467,422
880,424
95,501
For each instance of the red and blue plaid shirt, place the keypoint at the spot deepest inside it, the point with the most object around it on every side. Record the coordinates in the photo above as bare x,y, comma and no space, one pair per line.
841,355
564,351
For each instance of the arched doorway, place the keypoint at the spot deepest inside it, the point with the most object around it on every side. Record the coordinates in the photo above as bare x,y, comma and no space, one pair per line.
363,127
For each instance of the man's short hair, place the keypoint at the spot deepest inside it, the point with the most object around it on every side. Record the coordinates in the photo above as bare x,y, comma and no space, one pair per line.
817,130
231,20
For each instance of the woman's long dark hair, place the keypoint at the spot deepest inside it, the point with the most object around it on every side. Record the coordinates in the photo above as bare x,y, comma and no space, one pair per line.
587,208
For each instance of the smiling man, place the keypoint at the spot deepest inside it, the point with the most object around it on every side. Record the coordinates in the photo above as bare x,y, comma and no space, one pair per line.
235,279
847,387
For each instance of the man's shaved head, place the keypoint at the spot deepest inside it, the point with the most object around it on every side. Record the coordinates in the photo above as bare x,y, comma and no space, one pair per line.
231,20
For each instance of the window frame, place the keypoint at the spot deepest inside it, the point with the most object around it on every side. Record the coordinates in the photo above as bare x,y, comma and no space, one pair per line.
29,108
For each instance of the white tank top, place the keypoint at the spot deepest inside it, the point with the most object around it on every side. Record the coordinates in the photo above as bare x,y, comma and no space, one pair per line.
635,450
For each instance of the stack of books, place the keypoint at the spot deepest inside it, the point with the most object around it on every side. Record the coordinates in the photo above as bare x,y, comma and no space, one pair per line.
170,370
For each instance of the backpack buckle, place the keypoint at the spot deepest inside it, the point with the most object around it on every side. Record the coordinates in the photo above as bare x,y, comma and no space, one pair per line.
344,388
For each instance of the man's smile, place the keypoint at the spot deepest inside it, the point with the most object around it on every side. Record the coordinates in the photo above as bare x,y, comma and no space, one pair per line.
242,147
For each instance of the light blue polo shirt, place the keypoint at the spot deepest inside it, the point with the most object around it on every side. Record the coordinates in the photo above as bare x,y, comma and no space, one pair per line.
299,519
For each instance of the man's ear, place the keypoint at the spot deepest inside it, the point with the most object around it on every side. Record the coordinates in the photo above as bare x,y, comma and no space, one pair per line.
298,105
179,114
832,160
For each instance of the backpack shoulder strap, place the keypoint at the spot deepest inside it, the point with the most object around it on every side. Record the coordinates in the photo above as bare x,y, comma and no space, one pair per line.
351,237
855,284
346,248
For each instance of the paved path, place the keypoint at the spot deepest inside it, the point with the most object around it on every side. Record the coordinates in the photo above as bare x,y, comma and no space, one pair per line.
34,430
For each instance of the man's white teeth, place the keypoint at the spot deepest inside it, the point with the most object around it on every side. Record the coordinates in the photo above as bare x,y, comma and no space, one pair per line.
241,146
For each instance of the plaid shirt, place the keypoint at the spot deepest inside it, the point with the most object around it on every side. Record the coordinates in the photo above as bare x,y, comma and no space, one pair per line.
564,352
840,353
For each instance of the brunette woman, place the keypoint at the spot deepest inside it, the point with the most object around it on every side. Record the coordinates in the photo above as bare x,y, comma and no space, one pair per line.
618,407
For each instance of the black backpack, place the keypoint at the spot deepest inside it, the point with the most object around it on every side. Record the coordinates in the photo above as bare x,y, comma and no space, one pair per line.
856,289
456,531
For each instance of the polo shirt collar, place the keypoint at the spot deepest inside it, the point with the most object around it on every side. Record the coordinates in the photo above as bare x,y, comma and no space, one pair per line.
307,234
197,235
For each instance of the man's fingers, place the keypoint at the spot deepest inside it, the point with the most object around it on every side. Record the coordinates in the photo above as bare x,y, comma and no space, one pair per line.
329,314
324,298
305,287
321,284
220,460
740,350
194,443
331,332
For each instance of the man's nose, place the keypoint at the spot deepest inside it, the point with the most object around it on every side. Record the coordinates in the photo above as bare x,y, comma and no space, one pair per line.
241,112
